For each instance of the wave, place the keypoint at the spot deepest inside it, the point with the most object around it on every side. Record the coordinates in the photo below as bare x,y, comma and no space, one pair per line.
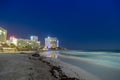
111,58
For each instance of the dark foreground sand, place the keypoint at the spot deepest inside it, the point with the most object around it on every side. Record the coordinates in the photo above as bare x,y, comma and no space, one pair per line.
28,67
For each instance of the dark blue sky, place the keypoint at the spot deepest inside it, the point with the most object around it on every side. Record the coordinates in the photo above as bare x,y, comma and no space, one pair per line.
78,24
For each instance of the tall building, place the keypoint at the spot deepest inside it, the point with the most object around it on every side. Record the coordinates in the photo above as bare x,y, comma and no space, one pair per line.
3,35
51,42
34,38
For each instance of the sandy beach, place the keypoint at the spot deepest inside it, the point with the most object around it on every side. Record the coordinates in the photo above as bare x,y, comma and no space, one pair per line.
29,67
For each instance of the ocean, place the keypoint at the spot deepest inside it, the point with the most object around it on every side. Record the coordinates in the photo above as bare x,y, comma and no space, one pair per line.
107,58
103,64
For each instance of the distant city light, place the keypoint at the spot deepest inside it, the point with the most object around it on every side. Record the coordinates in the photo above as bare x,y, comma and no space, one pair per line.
0,30
48,36
34,38
3,35
13,40
33,41
51,42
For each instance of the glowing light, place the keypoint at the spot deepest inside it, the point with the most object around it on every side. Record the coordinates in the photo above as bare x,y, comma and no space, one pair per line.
13,40
0,33
34,38
48,36
0,30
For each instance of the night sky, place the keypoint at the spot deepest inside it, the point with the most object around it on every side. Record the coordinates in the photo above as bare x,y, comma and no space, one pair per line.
78,24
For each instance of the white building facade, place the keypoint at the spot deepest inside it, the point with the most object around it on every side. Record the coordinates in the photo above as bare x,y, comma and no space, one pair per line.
51,42
3,35
24,43
34,38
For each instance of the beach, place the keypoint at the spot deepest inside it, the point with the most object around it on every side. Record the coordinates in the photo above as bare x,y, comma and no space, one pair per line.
27,66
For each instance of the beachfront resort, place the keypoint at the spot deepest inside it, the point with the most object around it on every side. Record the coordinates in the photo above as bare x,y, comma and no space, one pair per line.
38,65
13,44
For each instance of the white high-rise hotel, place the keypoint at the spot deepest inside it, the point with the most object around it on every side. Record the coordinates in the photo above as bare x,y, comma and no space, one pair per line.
34,38
51,42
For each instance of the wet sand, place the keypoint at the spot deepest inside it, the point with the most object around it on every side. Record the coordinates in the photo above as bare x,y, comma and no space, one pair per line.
28,67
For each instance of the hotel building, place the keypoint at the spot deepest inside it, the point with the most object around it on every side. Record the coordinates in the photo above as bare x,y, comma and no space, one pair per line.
3,35
24,43
51,42
34,38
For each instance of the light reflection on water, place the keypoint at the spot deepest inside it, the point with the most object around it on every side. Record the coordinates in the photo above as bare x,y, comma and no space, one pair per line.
51,54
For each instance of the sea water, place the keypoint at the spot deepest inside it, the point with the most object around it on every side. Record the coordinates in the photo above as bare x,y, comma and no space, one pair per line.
103,57
103,64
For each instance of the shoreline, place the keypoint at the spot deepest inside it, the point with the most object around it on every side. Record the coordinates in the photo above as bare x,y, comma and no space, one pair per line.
57,68
29,67
86,75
